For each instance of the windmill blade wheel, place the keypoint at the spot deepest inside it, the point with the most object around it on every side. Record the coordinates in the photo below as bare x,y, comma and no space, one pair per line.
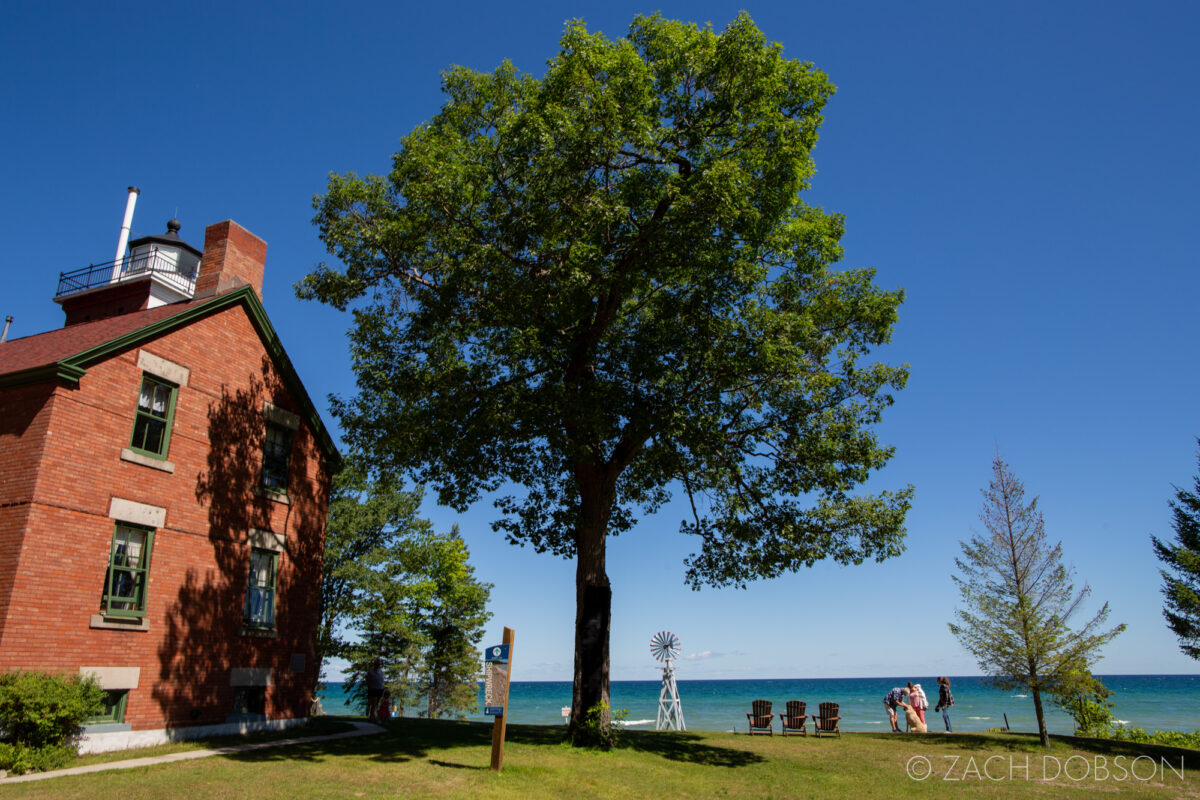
664,646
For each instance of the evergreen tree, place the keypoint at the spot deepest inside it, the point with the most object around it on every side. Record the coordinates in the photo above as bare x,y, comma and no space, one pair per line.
369,516
397,590
452,626
1018,599
1181,576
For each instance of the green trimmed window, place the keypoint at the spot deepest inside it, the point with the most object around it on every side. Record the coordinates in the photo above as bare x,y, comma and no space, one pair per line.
260,590
152,426
277,454
128,571
114,707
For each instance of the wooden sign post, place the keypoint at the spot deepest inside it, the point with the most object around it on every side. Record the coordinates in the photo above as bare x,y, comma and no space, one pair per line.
497,671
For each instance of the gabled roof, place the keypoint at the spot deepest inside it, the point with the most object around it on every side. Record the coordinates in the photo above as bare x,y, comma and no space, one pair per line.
66,353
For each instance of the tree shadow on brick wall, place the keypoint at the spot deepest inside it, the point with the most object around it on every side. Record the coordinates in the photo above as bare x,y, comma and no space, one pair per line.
206,638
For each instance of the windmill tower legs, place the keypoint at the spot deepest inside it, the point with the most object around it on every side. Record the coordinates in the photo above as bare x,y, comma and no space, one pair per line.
670,710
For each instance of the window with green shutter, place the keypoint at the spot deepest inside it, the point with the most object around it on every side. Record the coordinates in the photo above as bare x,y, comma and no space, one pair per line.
152,425
128,571
114,707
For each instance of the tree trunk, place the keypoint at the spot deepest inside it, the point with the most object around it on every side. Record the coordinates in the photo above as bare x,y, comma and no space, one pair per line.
593,609
1041,718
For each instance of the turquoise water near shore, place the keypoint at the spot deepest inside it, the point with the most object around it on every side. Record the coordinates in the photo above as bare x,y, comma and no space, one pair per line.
1165,702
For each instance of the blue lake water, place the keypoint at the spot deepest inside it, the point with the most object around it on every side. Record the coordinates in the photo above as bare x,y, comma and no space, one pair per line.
1165,702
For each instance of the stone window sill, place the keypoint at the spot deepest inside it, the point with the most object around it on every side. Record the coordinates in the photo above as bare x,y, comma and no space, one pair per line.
146,461
261,633
107,727
278,497
119,623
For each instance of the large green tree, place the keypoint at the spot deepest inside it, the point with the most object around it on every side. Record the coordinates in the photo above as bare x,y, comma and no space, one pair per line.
1181,576
602,286
1018,600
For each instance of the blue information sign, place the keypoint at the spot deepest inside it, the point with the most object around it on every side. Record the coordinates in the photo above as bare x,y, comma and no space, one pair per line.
495,680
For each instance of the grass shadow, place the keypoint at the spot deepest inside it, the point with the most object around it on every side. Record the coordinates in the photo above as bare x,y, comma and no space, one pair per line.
408,739
1114,747
452,765
963,741
687,747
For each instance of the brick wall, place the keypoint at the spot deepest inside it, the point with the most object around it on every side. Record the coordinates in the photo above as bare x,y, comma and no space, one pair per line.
73,441
111,301
233,256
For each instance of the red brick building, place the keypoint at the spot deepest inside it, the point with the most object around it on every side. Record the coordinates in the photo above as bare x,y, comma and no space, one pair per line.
163,495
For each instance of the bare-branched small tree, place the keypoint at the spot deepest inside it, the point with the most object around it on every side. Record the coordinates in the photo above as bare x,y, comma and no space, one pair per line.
1018,599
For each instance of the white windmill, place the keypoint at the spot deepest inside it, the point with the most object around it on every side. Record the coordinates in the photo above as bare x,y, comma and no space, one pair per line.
664,646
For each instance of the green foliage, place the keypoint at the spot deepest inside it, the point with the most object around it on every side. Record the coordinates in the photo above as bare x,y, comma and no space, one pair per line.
397,590
610,268
602,286
17,758
40,710
452,626
1167,738
1018,600
1181,576
1085,698
422,611
601,727
369,515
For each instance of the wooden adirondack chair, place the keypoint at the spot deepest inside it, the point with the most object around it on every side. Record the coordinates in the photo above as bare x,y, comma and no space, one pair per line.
794,720
760,717
826,723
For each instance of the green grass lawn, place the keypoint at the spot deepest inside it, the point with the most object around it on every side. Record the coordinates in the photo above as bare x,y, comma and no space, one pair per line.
420,758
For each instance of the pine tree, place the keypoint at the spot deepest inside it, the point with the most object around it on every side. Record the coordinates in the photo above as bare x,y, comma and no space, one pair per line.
1018,599
1181,578
452,626
397,590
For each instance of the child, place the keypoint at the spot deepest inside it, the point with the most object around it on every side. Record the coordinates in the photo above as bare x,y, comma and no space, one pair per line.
916,696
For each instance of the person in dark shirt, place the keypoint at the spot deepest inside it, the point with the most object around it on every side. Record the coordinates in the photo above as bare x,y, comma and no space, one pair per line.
945,700
892,701
374,688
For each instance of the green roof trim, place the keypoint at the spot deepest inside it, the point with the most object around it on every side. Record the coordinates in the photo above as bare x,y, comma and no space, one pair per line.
46,372
73,367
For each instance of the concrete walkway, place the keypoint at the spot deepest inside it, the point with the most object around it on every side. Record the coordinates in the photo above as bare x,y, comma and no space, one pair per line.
360,729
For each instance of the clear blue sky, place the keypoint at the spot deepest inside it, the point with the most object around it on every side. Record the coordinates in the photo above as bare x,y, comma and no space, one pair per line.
1027,171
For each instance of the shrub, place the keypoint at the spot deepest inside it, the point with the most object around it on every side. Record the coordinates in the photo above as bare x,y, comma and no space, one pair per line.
1168,738
19,759
591,731
39,710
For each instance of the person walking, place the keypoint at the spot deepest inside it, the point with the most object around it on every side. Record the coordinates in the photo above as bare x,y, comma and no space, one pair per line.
892,701
945,700
375,686
917,699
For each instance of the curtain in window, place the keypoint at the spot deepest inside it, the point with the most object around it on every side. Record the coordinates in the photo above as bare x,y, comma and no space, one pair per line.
260,593
128,548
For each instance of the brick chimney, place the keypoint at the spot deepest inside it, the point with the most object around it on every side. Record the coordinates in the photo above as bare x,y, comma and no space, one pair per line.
233,257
